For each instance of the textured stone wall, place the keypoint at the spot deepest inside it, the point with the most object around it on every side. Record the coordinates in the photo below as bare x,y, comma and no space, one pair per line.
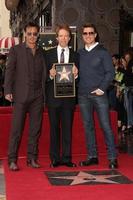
103,13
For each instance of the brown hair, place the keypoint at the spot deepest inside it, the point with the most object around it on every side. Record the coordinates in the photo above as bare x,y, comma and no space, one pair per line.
63,26
32,24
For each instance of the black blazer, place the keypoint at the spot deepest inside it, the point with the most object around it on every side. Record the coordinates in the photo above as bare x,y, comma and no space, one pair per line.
51,58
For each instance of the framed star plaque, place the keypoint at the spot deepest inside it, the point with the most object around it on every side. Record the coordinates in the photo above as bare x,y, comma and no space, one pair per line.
64,81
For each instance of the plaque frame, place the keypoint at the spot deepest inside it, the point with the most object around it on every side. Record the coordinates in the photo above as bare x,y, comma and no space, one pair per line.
64,81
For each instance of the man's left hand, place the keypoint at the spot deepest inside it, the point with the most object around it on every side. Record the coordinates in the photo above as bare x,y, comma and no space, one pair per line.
98,92
75,71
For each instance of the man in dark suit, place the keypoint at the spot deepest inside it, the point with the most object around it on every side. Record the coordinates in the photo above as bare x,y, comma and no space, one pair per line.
24,81
60,110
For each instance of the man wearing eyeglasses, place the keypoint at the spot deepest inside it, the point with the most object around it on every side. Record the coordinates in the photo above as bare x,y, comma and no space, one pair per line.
24,81
96,72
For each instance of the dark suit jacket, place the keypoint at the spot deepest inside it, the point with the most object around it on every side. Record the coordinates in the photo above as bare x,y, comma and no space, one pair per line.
17,75
51,58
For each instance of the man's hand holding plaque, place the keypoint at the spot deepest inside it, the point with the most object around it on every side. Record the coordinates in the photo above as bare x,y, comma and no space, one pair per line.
64,79
52,72
75,71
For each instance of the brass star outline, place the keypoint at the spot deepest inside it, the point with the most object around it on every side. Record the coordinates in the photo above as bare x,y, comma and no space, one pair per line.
83,177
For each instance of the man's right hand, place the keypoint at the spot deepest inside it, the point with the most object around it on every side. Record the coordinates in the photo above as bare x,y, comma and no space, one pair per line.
9,97
52,72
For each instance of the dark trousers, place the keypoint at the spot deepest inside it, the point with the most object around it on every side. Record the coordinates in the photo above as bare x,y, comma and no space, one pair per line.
61,120
35,109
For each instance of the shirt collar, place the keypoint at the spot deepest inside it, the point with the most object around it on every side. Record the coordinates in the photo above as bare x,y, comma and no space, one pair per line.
29,47
91,47
59,48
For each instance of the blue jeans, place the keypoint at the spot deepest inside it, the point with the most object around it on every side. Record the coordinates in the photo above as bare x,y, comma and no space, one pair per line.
100,103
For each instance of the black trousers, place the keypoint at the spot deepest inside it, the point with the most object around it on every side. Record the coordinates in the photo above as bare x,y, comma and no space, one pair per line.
61,120
33,106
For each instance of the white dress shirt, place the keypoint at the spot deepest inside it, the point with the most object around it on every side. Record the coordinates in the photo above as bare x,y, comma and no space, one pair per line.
66,53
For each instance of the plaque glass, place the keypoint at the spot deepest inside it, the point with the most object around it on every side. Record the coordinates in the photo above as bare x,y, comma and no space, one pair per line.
64,81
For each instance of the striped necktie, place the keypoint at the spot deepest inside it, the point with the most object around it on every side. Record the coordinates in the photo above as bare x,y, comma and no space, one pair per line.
62,56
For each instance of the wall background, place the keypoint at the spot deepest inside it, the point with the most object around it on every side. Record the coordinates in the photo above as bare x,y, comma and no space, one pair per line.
5,31
103,13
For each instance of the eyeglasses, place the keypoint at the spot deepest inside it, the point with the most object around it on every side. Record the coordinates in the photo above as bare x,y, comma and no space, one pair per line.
88,33
32,34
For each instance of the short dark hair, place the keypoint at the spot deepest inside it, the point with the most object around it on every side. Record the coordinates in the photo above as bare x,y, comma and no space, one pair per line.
32,24
90,25
63,26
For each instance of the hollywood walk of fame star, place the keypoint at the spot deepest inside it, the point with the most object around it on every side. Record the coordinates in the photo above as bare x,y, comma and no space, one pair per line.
83,177
64,74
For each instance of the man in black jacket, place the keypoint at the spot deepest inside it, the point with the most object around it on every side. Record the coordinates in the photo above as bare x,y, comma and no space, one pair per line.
61,109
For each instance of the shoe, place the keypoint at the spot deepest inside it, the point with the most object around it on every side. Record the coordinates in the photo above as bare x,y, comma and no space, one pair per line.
33,163
113,164
54,164
91,161
69,164
13,166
